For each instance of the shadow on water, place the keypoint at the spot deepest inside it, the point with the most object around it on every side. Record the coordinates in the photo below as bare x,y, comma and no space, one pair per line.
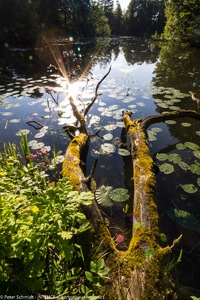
143,79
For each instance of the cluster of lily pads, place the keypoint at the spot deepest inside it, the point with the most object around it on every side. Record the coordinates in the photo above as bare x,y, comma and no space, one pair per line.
171,159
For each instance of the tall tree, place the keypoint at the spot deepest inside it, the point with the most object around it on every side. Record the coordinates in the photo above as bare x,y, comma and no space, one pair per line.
183,20
118,20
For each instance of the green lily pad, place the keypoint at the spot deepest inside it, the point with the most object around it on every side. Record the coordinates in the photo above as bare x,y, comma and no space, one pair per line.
174,157
198,181
156,129
197,153
184,124
195,169
119,195
184,166
170,122
102,195
108,148
181,146
166,168
189,188
184,218
198,133
123,152
161,156
191,145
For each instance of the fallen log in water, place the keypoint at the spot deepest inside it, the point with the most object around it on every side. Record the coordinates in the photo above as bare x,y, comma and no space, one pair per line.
140,272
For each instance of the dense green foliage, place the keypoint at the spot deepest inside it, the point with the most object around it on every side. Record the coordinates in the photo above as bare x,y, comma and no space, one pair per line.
42,233
183,20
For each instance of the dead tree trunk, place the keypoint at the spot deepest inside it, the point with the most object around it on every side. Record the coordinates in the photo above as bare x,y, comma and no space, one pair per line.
141,272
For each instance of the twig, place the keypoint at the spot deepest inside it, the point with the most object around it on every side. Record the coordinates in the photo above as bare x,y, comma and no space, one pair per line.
176,241
96,93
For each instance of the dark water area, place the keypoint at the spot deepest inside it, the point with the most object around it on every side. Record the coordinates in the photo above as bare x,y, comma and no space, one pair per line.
144,79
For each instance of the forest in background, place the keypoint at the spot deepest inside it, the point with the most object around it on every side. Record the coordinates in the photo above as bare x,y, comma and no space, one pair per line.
21,21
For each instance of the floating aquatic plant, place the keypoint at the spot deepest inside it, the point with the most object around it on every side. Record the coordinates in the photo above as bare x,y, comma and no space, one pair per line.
184,218
106,194
166,168
189,188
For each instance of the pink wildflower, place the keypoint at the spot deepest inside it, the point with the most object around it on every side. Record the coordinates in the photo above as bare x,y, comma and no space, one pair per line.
119,238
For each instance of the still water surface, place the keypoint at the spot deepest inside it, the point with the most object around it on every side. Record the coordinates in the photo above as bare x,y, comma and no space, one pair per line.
143,79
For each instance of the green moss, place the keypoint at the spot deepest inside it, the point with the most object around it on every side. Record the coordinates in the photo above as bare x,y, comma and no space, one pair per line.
71,165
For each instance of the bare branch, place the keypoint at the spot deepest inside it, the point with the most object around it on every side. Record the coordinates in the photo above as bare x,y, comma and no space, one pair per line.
96,93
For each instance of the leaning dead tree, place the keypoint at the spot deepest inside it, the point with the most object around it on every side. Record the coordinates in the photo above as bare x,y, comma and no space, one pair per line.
133,275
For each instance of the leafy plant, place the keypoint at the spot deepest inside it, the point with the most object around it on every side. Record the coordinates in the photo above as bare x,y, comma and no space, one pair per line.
184,218
40,229
97,272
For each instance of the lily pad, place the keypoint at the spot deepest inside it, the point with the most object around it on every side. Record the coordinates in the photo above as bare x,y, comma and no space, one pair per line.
184,218
198,133
166,168
174,157
195,169
161,156
184,166
119,195
189,188
123,152
198,181
156,129
170,122
184,124
197,153
191,145
108,148
108,136
102,195
181,146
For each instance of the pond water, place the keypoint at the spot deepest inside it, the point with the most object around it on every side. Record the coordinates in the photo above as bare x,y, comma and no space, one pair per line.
143,79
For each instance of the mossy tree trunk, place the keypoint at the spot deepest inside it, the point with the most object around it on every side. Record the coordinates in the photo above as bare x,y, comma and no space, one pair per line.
141,271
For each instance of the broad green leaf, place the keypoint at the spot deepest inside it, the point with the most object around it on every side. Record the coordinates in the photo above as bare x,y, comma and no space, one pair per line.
184,218
181,146
198,133
162,156
103,272
198,181
189,188
119,195
195,169
89,276
183,165
191,145
102,195
170,122
123,152
197,153
108,148
166,168
174,157
184,124
100,264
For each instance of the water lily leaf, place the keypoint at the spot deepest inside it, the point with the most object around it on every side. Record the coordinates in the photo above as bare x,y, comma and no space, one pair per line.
170,122
39,135
108,136
191,145
183,165
108,148
174,157
156,129
163,105
181,146
184,124
195,169
166,168
198,133
161,156
15,120
142,104
102,195
22,132
189,188
198,181
197,153
123,152
184,218
119,195
110,127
